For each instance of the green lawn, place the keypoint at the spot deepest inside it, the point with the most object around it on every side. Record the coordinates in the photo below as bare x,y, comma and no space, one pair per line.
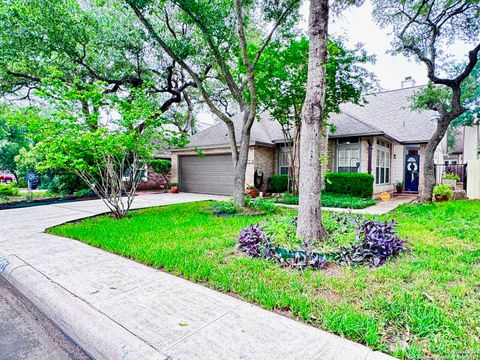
424,303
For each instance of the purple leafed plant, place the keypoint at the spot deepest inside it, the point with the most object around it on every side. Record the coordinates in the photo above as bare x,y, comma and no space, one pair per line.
254,242
376,242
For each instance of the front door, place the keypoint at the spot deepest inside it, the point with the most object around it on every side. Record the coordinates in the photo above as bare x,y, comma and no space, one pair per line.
412,167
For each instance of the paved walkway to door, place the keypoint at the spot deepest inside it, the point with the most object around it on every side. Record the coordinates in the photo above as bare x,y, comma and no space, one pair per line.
116,308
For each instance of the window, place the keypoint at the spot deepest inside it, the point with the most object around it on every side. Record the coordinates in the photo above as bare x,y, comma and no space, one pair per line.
348,140
348,155
382,172
283,160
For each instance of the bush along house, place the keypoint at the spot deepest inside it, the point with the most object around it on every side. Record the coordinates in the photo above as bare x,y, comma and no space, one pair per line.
384,138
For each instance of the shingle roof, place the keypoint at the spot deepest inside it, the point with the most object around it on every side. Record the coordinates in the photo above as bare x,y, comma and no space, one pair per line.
264,130
386,113
347,125
390,112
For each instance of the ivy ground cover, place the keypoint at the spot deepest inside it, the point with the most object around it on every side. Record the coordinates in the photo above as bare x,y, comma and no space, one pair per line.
424,303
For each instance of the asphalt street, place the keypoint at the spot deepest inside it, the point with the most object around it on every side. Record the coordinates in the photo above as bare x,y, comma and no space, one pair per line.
25,333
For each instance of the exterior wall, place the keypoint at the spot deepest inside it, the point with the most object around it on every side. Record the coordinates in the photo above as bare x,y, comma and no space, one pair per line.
250,171
154,181
398,164
473,183
332,155
471,142
264,160
421,152
364,154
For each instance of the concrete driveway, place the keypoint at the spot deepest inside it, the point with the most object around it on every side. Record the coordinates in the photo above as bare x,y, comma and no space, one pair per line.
115,308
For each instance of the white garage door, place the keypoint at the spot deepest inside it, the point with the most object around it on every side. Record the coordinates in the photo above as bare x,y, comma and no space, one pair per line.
211,174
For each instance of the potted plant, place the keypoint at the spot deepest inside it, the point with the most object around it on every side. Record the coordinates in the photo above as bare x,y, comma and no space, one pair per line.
174,187
399,187
450,179
442,192
252,191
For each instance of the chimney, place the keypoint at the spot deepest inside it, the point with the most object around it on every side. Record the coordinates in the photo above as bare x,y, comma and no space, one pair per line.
408,82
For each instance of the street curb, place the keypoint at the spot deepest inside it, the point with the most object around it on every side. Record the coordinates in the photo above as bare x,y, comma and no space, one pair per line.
98,335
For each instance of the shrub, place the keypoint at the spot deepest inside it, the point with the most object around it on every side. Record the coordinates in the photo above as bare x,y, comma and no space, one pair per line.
63,184
225,207
451,176
278,183
9,190
83,192
376,242
334,200
356,184
259,204
443,191
161,166
346,201
290,199
255,242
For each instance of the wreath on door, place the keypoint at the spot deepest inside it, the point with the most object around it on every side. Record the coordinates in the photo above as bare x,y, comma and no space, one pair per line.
412,168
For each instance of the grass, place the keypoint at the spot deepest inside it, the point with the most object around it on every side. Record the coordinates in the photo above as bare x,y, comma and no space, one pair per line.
24,196
424,303
335,201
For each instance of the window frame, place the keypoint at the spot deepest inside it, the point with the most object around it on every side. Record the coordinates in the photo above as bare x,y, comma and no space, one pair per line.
383,164
348,145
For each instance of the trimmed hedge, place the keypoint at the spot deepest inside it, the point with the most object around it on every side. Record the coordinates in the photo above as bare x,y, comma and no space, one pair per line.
355,184
278,183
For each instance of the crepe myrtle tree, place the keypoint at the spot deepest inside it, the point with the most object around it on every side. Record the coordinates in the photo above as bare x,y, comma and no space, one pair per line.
424,30
203,38
109,157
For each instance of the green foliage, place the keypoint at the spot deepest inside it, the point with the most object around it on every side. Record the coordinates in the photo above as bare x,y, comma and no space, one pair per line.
282,77
334,201
225,207
355,184
289,199
173,183
283,230
346,201
451,176
64,184
262,205
7,190
278,183
443,191
161,166
12,137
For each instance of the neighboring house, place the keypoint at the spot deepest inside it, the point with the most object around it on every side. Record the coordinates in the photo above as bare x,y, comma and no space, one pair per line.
466,146
384,138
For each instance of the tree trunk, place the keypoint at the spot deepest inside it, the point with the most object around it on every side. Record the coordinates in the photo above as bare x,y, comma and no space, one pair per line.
309,214
240,161
429,160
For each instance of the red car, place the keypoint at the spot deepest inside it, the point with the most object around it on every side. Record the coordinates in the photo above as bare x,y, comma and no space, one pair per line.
7,178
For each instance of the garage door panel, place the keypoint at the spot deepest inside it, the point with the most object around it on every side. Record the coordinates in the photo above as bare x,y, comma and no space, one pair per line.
212,174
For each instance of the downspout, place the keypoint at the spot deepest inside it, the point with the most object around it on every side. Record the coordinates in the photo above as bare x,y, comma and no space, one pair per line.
370,147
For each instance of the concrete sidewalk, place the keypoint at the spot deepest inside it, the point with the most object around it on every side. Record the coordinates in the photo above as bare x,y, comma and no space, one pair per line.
115,308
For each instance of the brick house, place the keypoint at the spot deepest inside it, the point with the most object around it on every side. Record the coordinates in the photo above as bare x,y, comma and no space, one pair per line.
384,138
